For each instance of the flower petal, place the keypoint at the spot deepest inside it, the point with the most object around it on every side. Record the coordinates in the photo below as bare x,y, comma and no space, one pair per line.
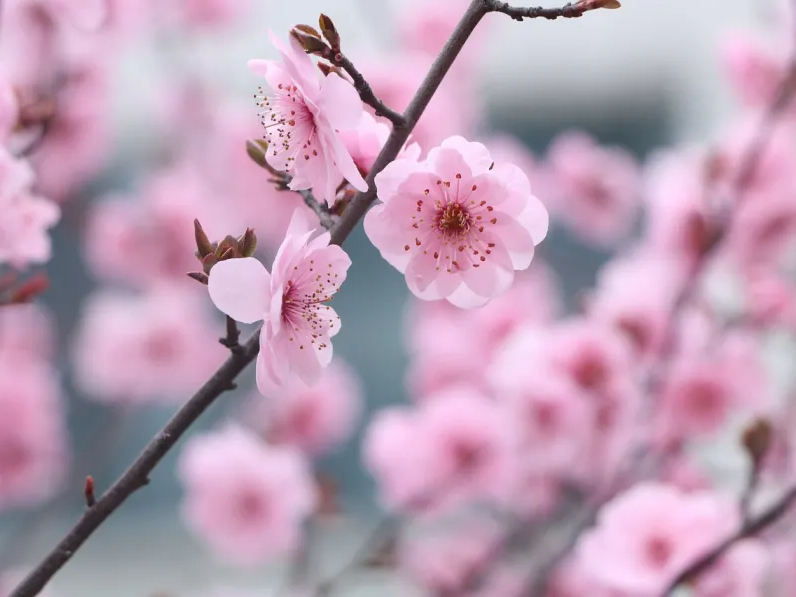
240,288
340,103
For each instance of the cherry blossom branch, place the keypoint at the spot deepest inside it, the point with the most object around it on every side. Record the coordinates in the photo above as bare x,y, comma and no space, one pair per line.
137,476
569,11
749,529
232,339
365,91
320,210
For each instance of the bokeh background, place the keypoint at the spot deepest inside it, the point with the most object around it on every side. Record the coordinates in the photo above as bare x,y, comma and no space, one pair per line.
640,77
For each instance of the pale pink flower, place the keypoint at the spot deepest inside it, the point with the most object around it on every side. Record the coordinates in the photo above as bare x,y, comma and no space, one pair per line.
301,117
207,14
247,500
298,329
446,561
365,142
635,294
647,535
457,438
678,206
439,334
27,331
754,67
571,579
75,147
771,299
153,347
552,416
505,147
151,240
763,230
457,227
313,418
705,386
33,435
26,219
597,189
740,573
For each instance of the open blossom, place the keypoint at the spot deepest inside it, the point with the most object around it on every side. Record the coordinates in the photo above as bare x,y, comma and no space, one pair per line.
298,329
33,436
450,450
754,67
246,499
26,218
154,347
596,189
457,227
301,116
312,418
26,332
647,535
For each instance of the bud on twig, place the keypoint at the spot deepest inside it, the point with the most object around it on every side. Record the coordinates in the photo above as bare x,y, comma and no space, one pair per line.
203,245
328,69
311,31
756,439
330,32
200,277
29,289
88,492
311,44
247,244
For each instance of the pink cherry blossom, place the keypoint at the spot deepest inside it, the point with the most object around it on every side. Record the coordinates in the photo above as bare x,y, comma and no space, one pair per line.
33,435
647,535
298,328
247,500
453,449
147,241
365,142
314,418
678,206
208,14
457,227
24,237
635,294
571,579
771,299
705,386
740,573
154,347
26,332
596,188
301,117
754,67
442,561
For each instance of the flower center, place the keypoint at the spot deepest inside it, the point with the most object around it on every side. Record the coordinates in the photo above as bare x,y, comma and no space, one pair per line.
453,220
289,124
303,310
659,551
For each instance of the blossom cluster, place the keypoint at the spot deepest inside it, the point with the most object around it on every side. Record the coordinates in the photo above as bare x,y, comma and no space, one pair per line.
531,415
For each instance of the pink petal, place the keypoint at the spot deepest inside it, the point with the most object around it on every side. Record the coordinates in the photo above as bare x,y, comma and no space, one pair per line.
517,240
535,219
344,161
258,66
447,162
393,176
240,288
475,154
340,103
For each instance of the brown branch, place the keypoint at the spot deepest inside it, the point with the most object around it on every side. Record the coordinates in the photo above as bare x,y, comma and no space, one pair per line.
365,91
232,339
571,10
749,529
321,210
137,476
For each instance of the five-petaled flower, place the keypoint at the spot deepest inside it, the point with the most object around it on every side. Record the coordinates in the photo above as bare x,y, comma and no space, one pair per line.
296,335
457,225
302,116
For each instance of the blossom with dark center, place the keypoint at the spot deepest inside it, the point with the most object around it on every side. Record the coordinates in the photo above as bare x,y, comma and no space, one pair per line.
457,225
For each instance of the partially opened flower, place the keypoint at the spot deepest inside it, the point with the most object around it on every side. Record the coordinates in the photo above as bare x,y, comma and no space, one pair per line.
457,225
298,328
302,115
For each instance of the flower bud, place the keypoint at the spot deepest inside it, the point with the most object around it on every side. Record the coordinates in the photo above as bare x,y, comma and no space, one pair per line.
756,439
208,262
247,244
311,44
199,277
328,69
257,154
311,31
330,32
203,245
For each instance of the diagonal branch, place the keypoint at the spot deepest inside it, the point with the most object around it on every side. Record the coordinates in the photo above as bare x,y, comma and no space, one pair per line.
365,91
751,528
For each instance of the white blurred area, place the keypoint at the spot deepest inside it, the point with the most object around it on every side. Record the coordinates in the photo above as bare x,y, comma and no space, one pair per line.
647,51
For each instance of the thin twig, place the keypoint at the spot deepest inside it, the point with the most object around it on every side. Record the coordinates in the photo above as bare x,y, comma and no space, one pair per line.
137,476
365,91
749,529
749,492
232,339
320,210
572,10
